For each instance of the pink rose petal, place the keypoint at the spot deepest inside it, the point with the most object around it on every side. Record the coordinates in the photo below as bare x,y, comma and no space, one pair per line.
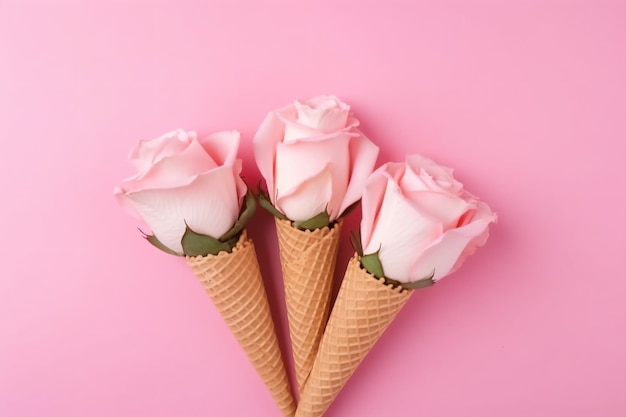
482,212
373,194
451,249
148,152
173,171
363,155
295,131
436,177
401,231
309,198
242,188
324,113
445,207
222,146
265,140
209,205
296,162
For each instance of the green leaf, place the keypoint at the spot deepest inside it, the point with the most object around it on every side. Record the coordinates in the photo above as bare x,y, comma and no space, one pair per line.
422,283
355,239
372,264
316,222
195,244
157,243
245,216
264,201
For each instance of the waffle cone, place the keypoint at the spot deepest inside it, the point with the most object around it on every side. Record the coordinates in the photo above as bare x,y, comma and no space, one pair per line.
364,308
308,263
234,283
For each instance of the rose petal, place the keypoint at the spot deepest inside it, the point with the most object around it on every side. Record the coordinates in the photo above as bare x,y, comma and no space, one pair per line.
172,146
453,247
445,207
328,101
126,203
270,134
363,155
296,163
482,212
412,181
209,205
401,232
435,176
147,152
372,200
242,188
295,131
173,171
310,198
222,146
323,113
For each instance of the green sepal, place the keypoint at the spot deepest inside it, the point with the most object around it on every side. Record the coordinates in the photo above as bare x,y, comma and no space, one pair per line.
372,264
422,283
393,282
355,239
232,242
264,201
195,244
157,243
314,223
246,214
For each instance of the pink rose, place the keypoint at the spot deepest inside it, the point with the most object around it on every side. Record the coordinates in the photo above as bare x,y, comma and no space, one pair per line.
313,158
184,181
420,220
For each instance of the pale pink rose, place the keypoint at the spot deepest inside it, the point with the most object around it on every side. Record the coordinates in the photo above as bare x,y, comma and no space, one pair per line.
184,180
313,158
421,220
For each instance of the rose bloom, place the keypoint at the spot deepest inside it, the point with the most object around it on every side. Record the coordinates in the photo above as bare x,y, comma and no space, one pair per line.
313,158
182,181
421,220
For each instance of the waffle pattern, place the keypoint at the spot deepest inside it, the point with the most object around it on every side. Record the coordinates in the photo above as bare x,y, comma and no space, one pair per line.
234,283
308,262
364,308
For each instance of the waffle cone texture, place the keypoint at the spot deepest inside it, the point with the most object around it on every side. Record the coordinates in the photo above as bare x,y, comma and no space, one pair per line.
234,283
308,264
364,308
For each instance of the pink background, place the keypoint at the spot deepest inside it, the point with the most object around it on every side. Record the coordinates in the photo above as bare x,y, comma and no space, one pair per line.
526,100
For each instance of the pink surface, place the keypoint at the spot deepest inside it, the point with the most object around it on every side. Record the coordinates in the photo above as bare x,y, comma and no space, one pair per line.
526,100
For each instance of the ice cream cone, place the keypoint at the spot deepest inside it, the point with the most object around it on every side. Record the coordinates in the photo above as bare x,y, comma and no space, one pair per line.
364,308
234,283
308,263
